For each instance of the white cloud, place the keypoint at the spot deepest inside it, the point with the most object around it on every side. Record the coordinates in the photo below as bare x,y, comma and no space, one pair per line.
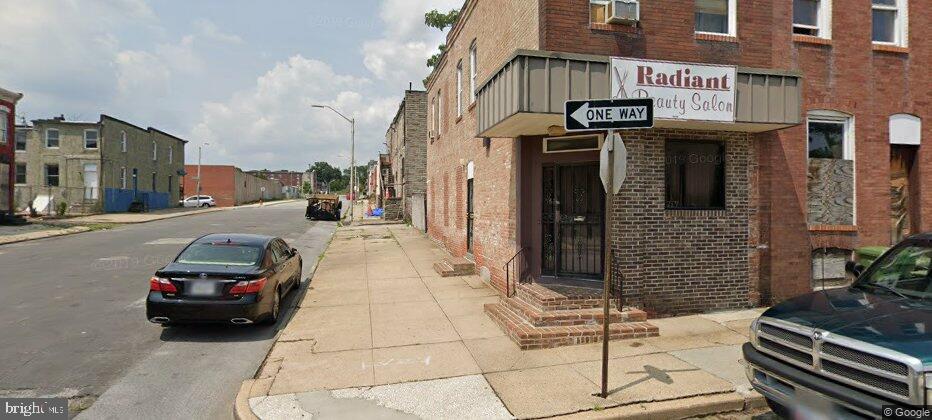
272,125
210,30
400,55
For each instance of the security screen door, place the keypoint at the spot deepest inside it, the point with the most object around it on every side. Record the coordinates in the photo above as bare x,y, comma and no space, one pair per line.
572,221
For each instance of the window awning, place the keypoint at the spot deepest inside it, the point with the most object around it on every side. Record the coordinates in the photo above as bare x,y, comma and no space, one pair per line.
527,94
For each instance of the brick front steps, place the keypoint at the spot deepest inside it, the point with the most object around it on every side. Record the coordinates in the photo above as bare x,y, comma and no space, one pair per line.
537,317
450,267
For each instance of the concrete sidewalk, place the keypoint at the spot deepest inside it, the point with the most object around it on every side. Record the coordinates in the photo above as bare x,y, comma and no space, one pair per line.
379,334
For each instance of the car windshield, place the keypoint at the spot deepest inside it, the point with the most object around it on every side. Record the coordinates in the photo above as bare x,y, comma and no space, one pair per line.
220,254
904,272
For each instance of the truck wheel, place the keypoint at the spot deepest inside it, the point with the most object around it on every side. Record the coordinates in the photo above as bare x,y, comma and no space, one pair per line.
779,409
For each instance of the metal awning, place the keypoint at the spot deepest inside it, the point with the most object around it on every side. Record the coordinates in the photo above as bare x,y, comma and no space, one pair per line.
527,94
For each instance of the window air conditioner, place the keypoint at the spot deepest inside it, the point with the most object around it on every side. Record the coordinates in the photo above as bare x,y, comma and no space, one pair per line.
622,11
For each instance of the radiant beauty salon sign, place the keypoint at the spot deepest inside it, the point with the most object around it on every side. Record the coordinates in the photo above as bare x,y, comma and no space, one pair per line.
681,91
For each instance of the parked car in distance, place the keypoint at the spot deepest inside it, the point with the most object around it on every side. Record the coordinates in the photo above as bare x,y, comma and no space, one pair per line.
198,201
855,351
226,278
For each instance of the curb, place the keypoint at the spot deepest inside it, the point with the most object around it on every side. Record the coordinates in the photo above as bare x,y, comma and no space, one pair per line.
42,235
689,407
241,410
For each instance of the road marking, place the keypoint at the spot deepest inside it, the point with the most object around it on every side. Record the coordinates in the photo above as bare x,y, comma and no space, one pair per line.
170,241
117,258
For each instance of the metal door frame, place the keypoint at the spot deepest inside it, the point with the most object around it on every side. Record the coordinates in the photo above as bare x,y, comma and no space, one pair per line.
554,225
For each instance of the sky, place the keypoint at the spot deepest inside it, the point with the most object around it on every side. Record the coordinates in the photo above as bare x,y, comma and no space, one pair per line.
236,76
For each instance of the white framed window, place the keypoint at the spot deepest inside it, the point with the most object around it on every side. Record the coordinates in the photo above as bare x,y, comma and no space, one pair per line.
20,140
123,141
831,168
51,175
888,22
90,139
155,150
717,17
813,18
4,126
20,173
439,112
171,153
473,63
459,89
598,9
123,177
51,138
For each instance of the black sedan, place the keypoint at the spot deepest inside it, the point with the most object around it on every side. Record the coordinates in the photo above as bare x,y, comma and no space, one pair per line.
228,278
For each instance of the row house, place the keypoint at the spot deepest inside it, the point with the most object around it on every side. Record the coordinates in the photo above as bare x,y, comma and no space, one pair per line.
787,134
107,165
406,142
8,100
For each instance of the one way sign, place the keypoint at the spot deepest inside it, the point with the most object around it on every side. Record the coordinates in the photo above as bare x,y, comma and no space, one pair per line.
609,114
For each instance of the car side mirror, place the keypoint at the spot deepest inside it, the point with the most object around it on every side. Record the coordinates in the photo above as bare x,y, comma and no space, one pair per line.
854,268
294,251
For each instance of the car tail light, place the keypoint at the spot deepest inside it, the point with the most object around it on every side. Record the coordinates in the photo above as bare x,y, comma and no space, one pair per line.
157,284
244,287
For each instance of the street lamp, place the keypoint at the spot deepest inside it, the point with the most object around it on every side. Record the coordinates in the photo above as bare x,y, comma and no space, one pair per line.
352,122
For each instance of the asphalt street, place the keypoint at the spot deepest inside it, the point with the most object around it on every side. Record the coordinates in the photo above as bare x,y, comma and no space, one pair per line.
74,324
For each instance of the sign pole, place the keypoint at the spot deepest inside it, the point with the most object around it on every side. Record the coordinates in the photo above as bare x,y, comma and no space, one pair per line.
607,264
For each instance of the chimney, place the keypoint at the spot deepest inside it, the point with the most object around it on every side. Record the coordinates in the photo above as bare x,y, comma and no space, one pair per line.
410,85
60,117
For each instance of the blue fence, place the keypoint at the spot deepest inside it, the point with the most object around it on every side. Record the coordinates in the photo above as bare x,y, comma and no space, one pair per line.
117,200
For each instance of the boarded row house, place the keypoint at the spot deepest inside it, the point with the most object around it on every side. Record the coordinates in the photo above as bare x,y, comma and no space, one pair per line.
97,166
780,135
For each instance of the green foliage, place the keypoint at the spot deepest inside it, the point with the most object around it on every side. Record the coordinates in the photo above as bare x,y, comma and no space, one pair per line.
435,59
61,208
306,187
441,21
325,172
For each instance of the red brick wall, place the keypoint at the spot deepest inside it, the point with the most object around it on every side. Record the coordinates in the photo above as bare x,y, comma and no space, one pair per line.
216,181
845,74
498,29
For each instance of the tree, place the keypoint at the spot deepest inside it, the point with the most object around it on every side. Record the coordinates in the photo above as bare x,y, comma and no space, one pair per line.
441,21
306,187
325,172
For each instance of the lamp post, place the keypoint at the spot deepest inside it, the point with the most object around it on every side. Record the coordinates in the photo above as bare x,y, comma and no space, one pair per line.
352,122
198,192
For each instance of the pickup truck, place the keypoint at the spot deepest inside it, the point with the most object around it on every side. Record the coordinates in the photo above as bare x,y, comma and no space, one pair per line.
855,352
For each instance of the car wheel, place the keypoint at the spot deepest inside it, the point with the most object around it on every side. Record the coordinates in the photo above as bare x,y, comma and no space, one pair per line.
275,312
205,205
778,409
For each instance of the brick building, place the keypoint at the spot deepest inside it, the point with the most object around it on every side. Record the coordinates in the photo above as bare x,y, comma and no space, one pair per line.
406,139
230,186
8,102
287,178
93,166
775,140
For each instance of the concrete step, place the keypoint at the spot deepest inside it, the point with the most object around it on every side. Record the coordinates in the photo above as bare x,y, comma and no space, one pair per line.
450,267
529,336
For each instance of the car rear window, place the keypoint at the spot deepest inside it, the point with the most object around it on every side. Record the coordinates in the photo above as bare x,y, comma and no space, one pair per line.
220,254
